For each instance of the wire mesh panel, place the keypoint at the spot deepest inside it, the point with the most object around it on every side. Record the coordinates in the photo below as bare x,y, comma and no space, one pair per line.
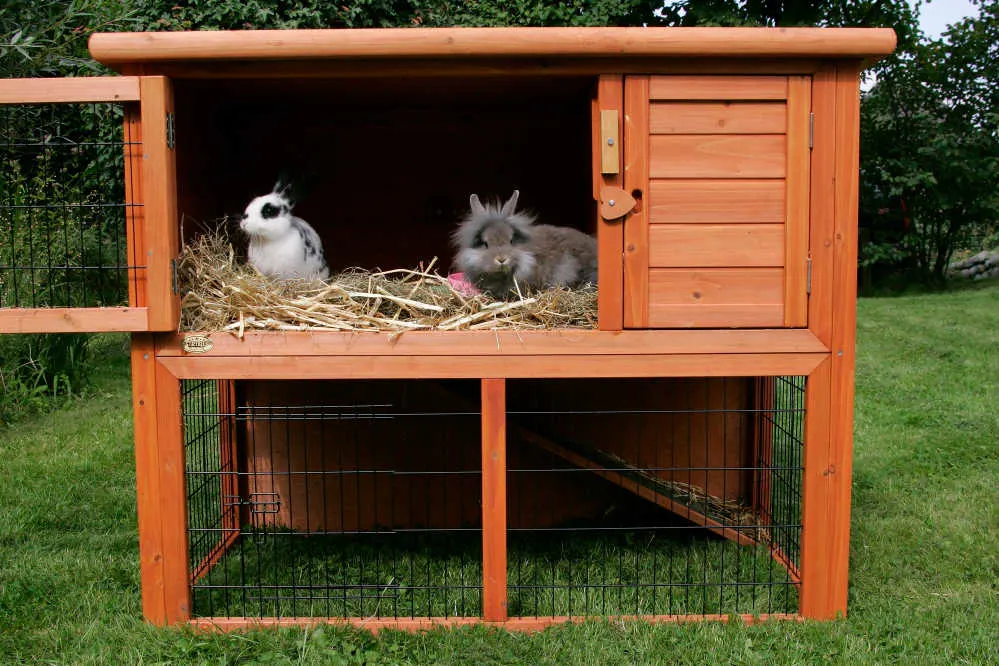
646,497
67,204
334,499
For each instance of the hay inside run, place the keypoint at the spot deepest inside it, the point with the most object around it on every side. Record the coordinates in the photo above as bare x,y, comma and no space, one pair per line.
223,294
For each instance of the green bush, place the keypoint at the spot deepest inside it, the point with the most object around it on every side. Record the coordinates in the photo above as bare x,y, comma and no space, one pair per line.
283,14
37,372
49,38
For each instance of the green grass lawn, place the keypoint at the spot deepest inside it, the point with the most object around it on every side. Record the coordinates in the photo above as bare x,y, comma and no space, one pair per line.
924,585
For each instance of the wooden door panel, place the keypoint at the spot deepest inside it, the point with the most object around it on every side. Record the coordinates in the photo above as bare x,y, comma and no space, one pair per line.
721,238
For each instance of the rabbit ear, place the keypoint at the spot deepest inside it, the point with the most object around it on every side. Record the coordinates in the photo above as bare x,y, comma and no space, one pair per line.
284,187
477,207
511,204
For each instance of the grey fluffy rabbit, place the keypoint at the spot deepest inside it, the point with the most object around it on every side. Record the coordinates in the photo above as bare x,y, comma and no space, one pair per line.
496,245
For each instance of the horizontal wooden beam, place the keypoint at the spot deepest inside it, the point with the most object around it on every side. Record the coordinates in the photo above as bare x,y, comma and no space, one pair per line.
500,367
145,47
525,624
80,89
73,320
500,343
381,68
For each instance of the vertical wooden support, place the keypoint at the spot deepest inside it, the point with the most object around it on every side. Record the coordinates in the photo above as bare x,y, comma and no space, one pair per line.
159,189
823,200
494,607
147,480
799,102
636,226
844,328
610,235
832,317
817,509
229,462
764,389
172,504
135,216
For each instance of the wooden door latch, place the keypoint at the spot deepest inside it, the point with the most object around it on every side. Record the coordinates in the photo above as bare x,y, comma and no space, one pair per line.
615,203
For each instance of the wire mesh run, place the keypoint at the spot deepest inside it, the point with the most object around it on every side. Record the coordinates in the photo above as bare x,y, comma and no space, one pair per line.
68,203
333,499
624,497
654,497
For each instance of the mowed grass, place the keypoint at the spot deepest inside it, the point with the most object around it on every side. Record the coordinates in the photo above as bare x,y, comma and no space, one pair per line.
924,585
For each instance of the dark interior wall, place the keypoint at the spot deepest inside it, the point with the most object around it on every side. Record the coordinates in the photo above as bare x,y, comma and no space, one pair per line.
387,166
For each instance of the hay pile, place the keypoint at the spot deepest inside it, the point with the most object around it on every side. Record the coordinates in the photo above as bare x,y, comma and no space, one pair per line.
223,294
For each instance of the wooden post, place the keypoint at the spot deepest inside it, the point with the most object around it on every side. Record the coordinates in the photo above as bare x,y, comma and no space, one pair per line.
159,189
610,235
494,500
147,480
135,216
832,318
636,225
172,504
799,100
844,329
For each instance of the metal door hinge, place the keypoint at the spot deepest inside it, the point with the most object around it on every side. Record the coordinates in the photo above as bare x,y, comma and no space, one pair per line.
174,279
811,131
171,130
808,279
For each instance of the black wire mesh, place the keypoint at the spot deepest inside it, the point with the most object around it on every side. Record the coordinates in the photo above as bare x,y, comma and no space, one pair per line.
64,213
625,497
654,497
301,506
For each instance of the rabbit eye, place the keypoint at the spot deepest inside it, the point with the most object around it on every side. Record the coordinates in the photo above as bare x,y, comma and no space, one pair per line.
269,211
479,242
518,238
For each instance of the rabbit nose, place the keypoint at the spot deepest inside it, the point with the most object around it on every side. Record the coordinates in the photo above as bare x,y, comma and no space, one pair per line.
501,260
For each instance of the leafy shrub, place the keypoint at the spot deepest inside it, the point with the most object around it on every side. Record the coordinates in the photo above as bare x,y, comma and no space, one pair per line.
49,38
281,14
38,371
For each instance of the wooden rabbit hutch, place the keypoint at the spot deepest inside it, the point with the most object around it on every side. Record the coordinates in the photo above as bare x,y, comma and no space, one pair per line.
688,458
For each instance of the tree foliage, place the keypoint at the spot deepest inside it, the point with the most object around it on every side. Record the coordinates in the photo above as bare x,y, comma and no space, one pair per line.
930,143
276,14
49,37
897,14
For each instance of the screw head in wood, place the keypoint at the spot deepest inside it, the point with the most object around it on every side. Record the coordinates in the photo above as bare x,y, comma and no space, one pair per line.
611,202
610,141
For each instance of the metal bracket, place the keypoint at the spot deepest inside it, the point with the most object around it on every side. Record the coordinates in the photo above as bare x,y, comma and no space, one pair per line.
808,280
174,279
259,503
811,131
171,130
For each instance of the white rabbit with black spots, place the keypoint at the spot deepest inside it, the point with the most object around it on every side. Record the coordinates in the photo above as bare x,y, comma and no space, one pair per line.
282,246
497,245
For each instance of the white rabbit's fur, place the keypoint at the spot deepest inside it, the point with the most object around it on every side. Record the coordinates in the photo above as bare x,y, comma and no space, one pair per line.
281,245
497,245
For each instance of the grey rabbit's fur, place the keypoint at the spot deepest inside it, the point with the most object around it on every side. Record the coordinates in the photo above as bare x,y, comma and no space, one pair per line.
497,245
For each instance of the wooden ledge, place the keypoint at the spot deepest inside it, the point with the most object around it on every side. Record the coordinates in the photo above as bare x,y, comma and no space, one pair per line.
80,89
73,320
115,49
564,342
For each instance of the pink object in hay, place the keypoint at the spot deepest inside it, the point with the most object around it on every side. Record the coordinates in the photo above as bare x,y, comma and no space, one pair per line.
461,285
